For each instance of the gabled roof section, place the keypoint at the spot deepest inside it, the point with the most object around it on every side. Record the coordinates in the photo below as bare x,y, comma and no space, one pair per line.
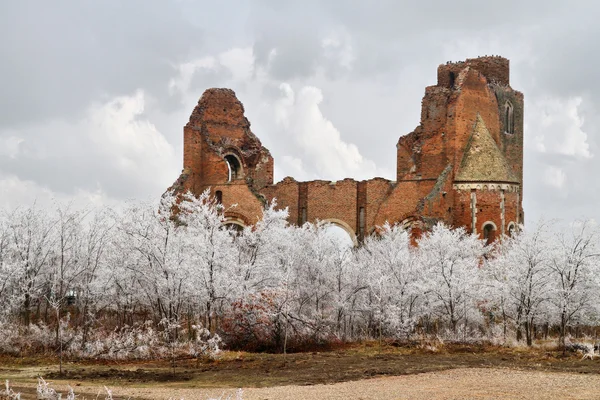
483,161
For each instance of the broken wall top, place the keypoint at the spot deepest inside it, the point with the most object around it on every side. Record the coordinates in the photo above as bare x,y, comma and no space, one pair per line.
494,68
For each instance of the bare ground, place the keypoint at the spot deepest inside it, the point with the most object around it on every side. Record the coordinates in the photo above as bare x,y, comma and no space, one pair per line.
453,372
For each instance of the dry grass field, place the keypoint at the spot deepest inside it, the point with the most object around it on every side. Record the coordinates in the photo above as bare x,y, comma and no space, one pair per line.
352,363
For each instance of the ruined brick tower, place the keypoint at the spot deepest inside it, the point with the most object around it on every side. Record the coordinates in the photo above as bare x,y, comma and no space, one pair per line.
462,165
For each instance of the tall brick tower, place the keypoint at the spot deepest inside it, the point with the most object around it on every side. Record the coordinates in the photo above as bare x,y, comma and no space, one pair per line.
462,165
472,130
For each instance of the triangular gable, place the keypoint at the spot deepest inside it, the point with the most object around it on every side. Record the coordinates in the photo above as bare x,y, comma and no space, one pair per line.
483,161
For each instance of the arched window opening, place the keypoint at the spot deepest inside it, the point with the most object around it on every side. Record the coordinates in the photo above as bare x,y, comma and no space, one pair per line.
234,229
339,236
237,228
509,123
489,233
511,229
219,197
234,166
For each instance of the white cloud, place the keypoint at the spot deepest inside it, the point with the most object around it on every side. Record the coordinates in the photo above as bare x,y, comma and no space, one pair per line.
557,127
239,61
290,166
338,47
133,144
111,153
9,146
555,177
306,144
369,62
186,71
317,140
28,192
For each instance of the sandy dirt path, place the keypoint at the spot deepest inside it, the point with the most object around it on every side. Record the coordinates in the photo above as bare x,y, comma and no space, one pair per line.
471,383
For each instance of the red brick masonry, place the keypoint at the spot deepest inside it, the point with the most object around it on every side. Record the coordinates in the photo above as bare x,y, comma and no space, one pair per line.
462,165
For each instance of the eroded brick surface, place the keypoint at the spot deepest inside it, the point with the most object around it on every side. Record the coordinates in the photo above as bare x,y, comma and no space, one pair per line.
446,170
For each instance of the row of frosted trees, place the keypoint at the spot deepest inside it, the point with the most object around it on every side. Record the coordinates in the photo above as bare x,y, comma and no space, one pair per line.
137,277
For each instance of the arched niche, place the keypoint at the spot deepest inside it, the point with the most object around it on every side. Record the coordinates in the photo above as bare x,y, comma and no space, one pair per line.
511,228
235,226
488,231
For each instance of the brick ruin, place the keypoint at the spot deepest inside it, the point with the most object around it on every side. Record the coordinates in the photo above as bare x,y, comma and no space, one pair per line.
462,165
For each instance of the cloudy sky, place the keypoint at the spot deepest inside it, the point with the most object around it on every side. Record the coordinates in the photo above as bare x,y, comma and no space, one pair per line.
95,93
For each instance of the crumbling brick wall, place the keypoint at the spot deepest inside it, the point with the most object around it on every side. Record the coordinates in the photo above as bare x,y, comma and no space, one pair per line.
432,182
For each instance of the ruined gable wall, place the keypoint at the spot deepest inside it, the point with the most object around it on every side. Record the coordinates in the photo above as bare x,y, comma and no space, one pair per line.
217,127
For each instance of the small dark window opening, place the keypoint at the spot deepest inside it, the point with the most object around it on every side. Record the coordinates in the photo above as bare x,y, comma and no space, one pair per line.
219,197
361,221
234,167
489,233
509,120
452,79
511,229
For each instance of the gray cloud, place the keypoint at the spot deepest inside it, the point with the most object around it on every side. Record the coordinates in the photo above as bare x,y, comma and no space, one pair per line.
66,63
58,56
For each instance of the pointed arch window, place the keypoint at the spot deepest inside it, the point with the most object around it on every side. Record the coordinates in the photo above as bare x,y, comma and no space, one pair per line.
509,118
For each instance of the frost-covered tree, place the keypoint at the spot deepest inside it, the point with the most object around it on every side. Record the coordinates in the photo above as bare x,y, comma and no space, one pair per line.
450,259
262,251
8,271
209,255
131,282
575,254
94,287
259,302
154,256
521,270
31,242
396,278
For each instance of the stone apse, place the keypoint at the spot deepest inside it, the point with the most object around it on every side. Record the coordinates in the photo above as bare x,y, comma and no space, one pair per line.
462,165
